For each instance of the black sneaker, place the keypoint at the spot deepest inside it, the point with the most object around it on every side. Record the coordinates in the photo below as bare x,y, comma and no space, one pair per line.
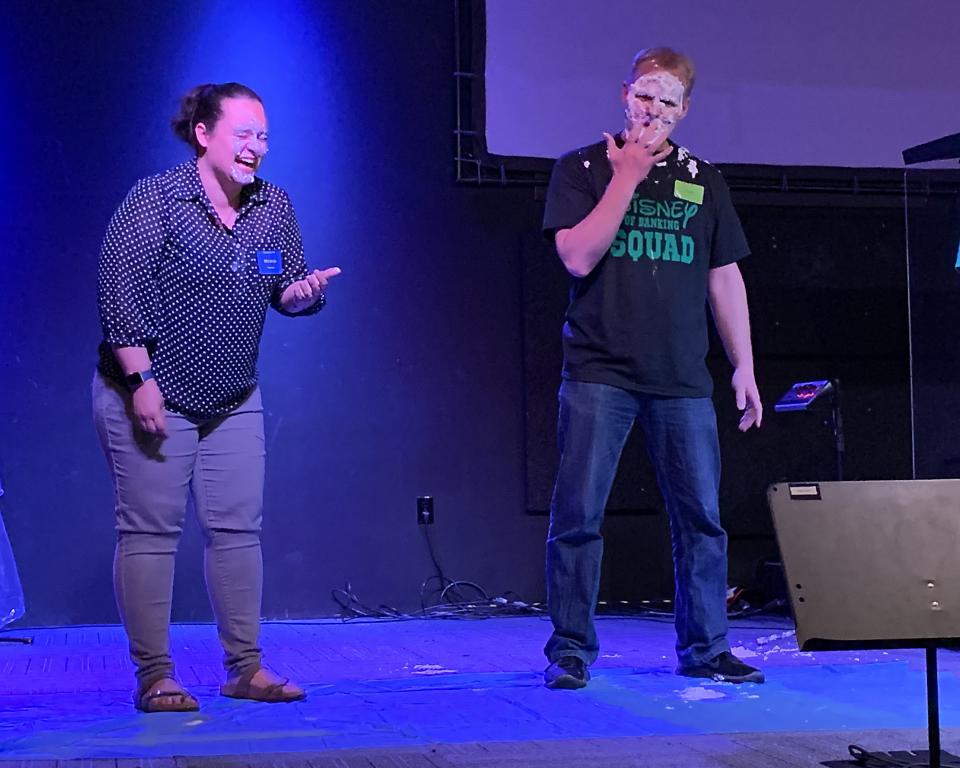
566,672
724,668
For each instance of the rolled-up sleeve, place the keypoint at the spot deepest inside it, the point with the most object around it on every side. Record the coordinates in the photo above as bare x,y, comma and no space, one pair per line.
294,262
128,296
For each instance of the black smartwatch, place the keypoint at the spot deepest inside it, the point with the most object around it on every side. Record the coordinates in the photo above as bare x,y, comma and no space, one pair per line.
134,380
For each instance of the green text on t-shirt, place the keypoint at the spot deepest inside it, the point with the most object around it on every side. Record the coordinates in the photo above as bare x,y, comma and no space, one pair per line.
650,229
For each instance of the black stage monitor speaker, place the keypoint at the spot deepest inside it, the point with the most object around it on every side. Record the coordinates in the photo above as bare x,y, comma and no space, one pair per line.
873,564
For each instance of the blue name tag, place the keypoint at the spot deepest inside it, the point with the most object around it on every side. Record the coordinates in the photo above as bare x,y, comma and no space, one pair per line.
270,262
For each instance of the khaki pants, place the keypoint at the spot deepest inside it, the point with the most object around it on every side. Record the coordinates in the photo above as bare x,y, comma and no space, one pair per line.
220,464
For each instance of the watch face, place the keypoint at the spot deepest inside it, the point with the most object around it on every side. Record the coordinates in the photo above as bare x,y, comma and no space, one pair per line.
138,377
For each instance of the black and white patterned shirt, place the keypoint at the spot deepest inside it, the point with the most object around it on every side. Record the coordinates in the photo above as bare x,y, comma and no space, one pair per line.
173,279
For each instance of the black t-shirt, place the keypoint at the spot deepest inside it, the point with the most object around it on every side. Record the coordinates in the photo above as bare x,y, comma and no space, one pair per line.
639,320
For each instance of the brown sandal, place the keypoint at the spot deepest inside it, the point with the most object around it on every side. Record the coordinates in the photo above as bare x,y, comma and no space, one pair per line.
244,688
150,698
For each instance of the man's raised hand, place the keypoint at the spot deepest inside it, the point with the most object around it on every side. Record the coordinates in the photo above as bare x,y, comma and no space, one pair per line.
644,148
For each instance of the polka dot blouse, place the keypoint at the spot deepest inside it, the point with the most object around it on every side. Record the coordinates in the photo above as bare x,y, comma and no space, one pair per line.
173,279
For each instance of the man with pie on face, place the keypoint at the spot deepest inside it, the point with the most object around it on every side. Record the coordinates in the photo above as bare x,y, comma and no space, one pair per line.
650,237
191,261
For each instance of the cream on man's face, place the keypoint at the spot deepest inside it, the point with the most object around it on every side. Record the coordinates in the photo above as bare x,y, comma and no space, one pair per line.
655,98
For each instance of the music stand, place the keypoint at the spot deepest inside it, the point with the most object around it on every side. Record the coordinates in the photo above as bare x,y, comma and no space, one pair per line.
872,564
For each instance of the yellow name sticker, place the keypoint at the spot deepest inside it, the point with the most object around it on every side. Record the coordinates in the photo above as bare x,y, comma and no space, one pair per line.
692,193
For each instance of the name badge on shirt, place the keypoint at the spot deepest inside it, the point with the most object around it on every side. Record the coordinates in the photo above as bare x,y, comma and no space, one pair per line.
270,262
692,193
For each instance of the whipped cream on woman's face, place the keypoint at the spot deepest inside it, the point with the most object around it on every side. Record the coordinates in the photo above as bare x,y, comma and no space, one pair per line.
249,147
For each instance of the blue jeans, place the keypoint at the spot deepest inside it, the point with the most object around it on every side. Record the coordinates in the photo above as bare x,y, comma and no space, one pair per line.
681,436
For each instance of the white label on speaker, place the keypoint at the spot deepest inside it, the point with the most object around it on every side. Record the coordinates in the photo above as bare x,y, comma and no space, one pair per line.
804,490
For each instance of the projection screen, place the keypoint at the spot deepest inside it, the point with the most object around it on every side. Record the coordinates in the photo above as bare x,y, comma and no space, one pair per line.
845,83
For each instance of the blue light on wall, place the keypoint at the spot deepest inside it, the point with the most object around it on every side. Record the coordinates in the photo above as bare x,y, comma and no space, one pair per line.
283,51
288,52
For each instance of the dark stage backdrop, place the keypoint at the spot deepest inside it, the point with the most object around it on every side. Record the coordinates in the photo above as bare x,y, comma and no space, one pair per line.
828,297
412,381
933,227
408,383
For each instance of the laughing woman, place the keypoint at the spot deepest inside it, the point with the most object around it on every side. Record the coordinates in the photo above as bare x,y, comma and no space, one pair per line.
191,260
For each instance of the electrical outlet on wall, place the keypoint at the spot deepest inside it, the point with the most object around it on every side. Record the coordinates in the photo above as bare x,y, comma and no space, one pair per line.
425,514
